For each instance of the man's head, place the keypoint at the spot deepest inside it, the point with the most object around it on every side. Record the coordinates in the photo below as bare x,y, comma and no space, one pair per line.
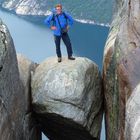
58,8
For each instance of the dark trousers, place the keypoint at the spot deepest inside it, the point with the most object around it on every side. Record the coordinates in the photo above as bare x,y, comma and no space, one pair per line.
66,40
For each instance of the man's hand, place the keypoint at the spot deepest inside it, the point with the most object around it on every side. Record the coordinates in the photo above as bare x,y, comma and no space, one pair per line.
53,28
68,27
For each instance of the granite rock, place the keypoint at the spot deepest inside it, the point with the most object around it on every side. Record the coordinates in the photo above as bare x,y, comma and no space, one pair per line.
67,98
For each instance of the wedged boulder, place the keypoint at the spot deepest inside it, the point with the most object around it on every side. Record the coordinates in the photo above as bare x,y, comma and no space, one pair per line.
67,98
13,109
30,128
121,71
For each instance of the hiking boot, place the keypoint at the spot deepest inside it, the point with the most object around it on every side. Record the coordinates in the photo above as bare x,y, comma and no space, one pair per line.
59,59
71,58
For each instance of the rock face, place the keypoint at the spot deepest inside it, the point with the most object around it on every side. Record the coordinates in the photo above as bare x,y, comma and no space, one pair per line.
14,119
27,7
121,72
67,99
133,115
11,110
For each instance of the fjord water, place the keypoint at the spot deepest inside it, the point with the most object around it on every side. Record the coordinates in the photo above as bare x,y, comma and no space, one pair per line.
36,41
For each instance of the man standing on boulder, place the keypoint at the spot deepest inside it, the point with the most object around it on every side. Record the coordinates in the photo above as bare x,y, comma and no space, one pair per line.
60,23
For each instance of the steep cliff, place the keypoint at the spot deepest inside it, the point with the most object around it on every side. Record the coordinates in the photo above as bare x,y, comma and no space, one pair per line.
121,72
16,122
67,99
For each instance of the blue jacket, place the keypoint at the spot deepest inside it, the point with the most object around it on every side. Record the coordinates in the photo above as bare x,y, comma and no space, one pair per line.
48,21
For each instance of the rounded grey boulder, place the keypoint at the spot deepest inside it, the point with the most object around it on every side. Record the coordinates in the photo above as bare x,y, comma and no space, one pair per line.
67,98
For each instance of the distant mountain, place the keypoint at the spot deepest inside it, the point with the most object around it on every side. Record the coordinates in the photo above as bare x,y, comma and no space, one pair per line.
99,11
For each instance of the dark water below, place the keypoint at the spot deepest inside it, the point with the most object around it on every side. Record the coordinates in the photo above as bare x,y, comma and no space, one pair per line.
36,41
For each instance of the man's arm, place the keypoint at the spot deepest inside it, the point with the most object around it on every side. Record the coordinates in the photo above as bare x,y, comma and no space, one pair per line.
70,19
48,20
